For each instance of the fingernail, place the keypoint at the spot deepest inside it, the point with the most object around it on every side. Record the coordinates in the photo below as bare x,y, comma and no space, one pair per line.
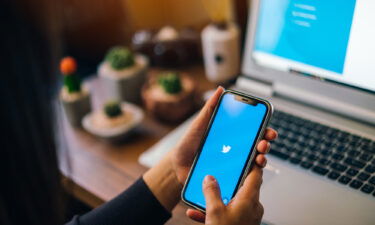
268,147
264,163
209,179
220,87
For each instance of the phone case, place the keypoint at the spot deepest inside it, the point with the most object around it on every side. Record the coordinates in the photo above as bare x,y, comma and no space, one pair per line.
250,160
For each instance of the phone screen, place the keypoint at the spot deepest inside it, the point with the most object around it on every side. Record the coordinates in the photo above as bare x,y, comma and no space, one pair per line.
227,147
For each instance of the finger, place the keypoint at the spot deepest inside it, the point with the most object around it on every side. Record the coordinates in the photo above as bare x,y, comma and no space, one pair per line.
251,187
263,147
211,192
196,215
196,130
261,160
270,134
201,122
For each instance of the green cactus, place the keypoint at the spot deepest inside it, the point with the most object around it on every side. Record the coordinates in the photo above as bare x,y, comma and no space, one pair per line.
112,109
72,83
120,58
171,82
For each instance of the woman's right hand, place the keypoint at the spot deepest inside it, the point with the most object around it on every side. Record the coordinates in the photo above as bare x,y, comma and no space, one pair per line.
244,208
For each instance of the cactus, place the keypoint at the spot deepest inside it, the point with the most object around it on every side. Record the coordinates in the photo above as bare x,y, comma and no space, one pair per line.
171,82
68,68
120,58
113,109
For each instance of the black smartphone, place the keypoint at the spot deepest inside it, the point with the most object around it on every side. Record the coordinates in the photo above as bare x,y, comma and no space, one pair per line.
228,147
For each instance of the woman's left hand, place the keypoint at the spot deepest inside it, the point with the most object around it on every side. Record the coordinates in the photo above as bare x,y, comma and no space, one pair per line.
166,179
183,155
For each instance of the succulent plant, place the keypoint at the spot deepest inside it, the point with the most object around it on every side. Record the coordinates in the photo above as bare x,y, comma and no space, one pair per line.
171,82
68,68
119,58
112,109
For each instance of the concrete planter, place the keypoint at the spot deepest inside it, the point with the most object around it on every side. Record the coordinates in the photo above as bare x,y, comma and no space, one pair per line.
76,107
124,85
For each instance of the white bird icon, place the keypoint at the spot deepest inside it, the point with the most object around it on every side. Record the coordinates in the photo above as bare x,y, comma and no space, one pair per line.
226,149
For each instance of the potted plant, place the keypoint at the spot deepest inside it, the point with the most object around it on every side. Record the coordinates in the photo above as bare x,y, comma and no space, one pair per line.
74,98
169,96
122,74
114,121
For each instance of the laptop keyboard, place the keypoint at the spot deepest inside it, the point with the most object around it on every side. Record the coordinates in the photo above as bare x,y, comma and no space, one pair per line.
338,155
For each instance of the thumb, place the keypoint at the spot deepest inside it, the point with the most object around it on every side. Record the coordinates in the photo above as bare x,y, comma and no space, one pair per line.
211,191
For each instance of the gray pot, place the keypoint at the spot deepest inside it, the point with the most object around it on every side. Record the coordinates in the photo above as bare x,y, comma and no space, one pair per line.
77,108
124,85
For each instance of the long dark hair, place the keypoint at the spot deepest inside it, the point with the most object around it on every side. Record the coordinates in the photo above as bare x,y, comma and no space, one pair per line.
30,180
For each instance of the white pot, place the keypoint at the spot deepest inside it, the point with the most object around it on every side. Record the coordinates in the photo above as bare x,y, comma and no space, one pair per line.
221,52
124,85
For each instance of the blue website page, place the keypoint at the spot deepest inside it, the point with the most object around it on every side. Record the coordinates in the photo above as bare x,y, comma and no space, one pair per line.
226,149
313,32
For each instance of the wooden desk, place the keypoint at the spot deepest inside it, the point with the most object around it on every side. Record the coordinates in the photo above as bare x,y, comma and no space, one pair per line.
100,170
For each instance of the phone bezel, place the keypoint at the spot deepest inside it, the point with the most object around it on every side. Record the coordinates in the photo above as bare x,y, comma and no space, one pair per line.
250,158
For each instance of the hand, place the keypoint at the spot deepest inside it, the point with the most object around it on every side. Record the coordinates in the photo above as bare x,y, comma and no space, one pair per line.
183,155
165,179
244,208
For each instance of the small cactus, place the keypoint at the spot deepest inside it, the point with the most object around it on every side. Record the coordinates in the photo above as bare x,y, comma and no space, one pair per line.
68,68
112,109
171,82
120,58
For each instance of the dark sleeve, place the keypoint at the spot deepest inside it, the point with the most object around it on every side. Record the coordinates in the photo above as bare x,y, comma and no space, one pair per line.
136,205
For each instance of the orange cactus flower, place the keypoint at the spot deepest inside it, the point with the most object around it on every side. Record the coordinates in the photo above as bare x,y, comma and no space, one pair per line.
68,65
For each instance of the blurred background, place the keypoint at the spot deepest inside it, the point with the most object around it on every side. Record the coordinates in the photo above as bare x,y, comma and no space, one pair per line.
90,27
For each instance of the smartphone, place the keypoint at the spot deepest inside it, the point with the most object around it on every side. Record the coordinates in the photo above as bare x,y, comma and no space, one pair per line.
228,147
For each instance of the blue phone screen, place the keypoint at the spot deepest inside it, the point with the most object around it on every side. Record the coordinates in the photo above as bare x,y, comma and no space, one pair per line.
226,149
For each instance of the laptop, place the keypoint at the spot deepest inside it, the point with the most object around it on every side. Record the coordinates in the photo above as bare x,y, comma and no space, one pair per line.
314,60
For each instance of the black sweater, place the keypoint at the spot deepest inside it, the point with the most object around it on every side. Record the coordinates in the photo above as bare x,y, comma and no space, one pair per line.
136,205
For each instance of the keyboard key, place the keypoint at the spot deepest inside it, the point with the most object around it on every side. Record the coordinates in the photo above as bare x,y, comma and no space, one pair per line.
368,148
344,179
324,162
297,152
365,157
279,154
325,152
367,188
355,163
333,175
354,153
341,148
363,176
306,165
352,172
320,170
370,169
295,160
312,157
337,156
372,180
338,167
356,184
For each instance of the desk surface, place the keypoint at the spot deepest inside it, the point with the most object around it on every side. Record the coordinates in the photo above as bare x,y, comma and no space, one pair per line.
100,170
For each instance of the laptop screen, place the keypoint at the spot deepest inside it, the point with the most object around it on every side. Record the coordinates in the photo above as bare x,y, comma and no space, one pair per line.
331,40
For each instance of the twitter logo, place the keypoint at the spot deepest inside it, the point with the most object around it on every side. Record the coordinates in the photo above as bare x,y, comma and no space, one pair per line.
226,148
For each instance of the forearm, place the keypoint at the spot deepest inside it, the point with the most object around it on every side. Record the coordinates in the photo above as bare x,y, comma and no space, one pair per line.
136,205
163,183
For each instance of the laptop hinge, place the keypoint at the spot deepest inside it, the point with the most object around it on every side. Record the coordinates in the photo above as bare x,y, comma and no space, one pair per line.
254,87
324,102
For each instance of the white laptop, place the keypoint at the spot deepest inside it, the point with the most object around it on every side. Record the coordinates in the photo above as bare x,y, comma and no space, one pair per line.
315,61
